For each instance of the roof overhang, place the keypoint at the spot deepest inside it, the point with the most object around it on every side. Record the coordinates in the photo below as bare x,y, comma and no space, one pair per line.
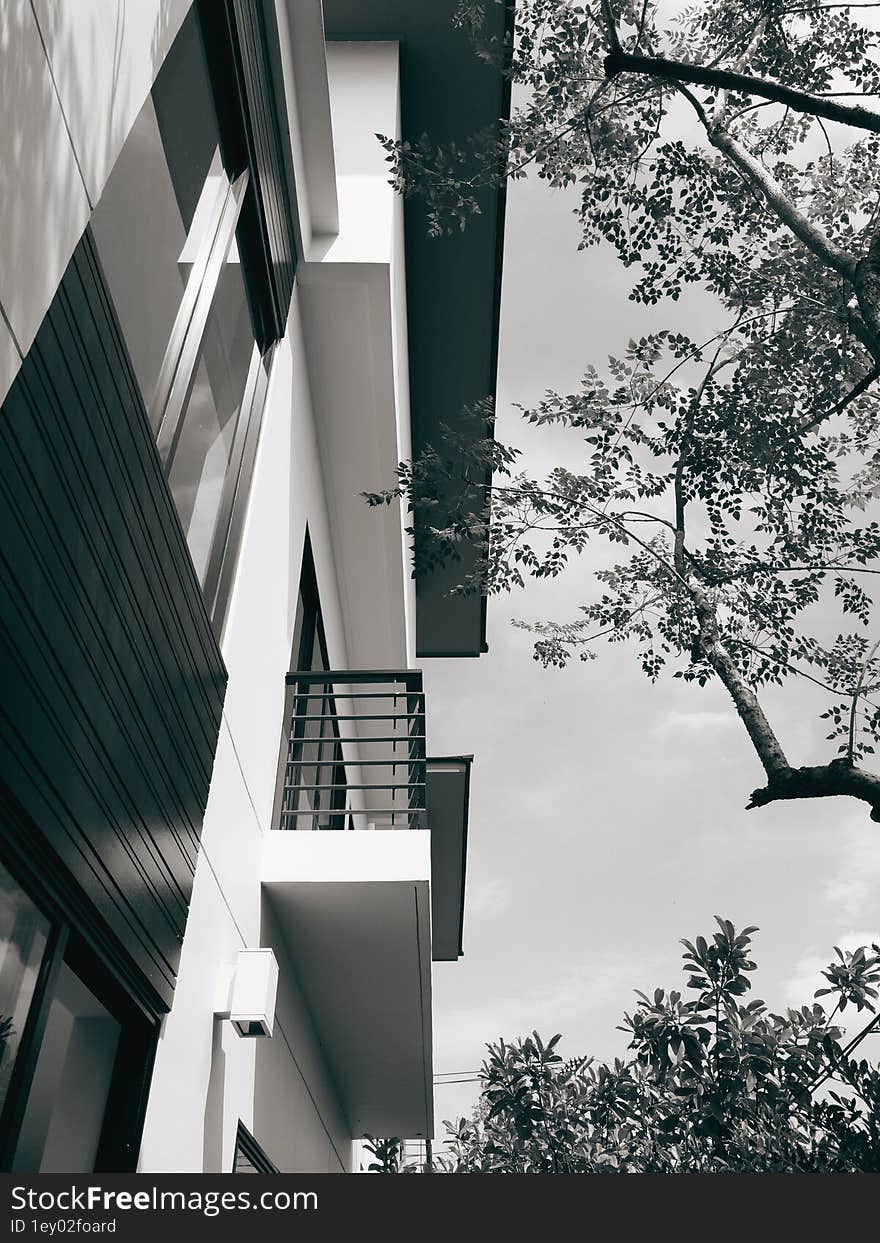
453,283
354,913
447,798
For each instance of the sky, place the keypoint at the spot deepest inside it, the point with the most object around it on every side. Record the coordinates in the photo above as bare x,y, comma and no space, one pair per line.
607,814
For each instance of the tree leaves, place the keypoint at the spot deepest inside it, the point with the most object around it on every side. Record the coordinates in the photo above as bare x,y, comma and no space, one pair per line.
712,1085
735,477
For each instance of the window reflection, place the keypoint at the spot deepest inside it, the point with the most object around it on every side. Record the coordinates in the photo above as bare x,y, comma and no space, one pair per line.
201,453
164,230
68,1096
146,225
24,933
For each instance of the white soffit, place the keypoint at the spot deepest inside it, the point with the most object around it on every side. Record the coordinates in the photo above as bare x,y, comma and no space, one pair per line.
354,318
301,34
354,910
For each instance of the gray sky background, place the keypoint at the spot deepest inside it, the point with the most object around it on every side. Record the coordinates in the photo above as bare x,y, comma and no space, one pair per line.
607,815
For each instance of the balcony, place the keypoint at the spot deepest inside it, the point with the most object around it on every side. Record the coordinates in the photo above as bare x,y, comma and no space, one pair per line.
353,755
356,902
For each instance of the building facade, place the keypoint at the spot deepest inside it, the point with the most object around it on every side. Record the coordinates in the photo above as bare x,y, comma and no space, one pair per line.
228,856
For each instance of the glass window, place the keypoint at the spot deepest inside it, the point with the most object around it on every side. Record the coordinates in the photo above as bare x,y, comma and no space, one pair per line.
158,206
165,230
24,935
71,1083
201,451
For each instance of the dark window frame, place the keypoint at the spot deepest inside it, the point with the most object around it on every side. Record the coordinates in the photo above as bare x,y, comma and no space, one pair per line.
238,39
125,1110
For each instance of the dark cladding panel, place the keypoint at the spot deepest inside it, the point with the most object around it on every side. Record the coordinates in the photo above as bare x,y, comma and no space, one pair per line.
448,798
113,683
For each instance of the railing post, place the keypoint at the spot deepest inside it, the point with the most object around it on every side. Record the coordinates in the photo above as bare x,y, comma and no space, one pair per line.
387,713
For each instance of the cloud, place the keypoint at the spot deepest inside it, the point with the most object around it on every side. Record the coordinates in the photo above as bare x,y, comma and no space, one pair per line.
562,1005
853,889
693,721
806,975
485,897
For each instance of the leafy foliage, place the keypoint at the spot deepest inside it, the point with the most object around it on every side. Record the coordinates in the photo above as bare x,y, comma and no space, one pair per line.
6,1030
386,1154
736,475
713,1084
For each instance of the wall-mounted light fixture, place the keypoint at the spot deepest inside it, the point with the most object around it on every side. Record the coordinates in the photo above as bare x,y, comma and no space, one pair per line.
248,991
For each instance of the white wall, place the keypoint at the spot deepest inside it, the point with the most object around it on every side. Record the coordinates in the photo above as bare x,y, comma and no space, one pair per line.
301,1127
204,1079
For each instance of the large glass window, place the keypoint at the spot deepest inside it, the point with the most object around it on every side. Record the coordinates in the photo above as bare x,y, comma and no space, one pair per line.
71,1083
73,1049
24,936
200,453
165,230
159,206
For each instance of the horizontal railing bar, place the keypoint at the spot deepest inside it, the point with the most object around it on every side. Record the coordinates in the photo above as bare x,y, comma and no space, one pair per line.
345,785
391,762
404,694
345,677
369,812
399,738
362,716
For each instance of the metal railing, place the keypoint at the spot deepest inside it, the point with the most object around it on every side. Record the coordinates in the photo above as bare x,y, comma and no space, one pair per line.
353,751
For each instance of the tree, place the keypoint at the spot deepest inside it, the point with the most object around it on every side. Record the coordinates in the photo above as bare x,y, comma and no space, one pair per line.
714,1085
387,1155
738,473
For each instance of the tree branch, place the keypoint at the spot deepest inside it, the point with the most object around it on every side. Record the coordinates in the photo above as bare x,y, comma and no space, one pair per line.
839,777
866,282
618,61
855,701
611,31
810,425
708,642
743,63
766,744
759,177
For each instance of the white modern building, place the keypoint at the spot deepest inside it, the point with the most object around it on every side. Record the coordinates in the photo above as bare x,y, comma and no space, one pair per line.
228,856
